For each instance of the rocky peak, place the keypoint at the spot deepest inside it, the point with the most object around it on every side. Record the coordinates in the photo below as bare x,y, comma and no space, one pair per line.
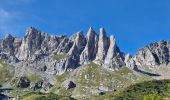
114,58
129,61
80,40
8,41
39,49
90,33
103,45
7,44
113,49
90,49
30,43
31,31
73,60
9,37
154,54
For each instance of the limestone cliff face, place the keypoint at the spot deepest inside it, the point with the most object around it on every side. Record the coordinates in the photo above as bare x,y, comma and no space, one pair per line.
90,49
114,58
75,51
56,54
9,47
154,54
103,45
39,43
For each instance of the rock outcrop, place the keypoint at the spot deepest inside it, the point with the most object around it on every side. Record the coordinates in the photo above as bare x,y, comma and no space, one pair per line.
52,54
103,45
69,84
154,54
114,58
73,59
129,61
24,82
90,50
56,54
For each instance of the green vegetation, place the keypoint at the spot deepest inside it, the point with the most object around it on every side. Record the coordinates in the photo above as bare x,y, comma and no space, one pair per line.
65,92
148,90
59,57
91,75
90,78
19,92
58,88
5,74
41,96
94,77
33,78
62,78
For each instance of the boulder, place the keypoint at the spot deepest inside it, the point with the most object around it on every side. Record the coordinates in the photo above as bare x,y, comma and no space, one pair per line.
24,82
69,84
37,86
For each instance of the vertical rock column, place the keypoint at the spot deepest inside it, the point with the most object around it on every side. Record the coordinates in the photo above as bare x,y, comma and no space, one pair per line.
90,49
114,58
103,45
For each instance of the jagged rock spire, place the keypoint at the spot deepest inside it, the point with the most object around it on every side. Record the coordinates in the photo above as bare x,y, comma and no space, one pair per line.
31,30
90,49
103,45
79,43
39,48
75,51
114,58
37,41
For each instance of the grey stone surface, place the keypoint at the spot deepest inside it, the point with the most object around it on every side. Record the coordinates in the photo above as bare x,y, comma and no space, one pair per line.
114,58
69,84
154,54
103,45
24,82
90,49
37,51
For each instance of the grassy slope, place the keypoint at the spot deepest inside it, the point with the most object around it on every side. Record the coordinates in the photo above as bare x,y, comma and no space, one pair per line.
91,77
5,74
40,96
59,57
88,78
148,90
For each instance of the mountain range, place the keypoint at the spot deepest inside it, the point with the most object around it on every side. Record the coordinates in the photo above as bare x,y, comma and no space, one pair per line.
39,60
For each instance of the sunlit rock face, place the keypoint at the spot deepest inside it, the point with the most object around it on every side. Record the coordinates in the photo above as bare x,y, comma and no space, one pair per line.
114,59
90,50
154,54
55,54
103,45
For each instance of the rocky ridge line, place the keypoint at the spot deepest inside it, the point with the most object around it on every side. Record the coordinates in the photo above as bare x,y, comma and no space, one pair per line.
54,54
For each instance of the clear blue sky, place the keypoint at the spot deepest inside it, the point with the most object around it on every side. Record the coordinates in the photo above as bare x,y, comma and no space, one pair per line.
134,23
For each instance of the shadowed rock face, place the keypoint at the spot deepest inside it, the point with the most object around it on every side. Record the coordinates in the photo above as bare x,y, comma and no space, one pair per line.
3,97
57,54
23,82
